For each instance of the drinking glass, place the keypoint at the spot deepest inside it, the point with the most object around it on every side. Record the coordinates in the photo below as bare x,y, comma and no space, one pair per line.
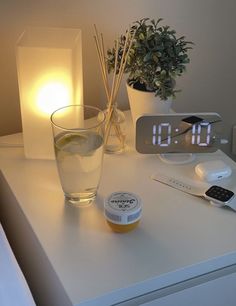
78,132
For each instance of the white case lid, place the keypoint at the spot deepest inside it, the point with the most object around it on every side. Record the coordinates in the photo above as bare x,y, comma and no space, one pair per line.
213,170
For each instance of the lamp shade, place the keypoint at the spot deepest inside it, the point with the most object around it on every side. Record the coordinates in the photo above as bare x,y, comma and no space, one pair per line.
49,67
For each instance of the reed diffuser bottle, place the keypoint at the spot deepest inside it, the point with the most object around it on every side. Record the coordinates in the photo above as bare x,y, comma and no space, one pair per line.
115,138
115,118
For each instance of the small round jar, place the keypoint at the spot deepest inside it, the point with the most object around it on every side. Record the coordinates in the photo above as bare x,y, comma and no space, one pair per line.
122,211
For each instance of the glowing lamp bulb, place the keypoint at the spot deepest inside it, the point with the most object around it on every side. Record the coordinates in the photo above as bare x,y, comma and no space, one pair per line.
52,96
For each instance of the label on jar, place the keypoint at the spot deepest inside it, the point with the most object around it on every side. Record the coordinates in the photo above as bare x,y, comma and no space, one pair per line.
123,208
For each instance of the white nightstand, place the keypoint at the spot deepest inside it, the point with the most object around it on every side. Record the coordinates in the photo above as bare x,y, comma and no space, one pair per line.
71,257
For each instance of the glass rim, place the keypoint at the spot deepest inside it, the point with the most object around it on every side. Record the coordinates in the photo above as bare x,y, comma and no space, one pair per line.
82,106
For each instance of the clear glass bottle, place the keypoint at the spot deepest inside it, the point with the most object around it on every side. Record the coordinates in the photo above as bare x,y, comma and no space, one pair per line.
115,126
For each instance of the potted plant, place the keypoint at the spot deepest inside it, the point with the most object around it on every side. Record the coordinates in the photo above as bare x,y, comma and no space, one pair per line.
155,59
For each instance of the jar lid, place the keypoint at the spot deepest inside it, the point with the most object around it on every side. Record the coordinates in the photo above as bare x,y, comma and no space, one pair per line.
122,207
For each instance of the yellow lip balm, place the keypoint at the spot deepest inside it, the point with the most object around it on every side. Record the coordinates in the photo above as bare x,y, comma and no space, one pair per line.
122,211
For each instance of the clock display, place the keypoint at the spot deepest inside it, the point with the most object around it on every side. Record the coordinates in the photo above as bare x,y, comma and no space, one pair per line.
178,133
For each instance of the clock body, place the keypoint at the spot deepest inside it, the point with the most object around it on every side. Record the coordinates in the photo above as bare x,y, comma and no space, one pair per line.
178,133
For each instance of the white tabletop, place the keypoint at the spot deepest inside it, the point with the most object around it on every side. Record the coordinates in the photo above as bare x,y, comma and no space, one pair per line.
180,236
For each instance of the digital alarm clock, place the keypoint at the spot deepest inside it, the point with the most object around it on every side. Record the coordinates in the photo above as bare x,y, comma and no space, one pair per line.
178,133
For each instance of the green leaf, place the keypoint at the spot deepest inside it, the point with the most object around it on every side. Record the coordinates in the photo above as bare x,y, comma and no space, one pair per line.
141,36
156,58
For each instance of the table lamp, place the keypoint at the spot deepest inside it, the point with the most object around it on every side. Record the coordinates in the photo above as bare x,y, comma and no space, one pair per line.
49,67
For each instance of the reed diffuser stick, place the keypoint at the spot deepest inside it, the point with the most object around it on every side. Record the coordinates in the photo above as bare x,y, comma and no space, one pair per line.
104,74
111,93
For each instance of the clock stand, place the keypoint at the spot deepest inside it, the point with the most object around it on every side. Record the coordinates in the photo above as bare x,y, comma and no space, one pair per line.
177,158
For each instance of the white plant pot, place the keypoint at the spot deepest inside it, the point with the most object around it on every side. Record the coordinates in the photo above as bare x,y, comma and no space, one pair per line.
142,102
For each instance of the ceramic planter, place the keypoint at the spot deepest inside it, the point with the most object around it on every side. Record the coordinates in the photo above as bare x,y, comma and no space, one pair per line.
142,102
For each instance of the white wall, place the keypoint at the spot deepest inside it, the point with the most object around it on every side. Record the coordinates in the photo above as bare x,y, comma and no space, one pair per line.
208,84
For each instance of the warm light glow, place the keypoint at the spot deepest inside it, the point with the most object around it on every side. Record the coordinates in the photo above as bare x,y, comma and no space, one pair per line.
52,96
